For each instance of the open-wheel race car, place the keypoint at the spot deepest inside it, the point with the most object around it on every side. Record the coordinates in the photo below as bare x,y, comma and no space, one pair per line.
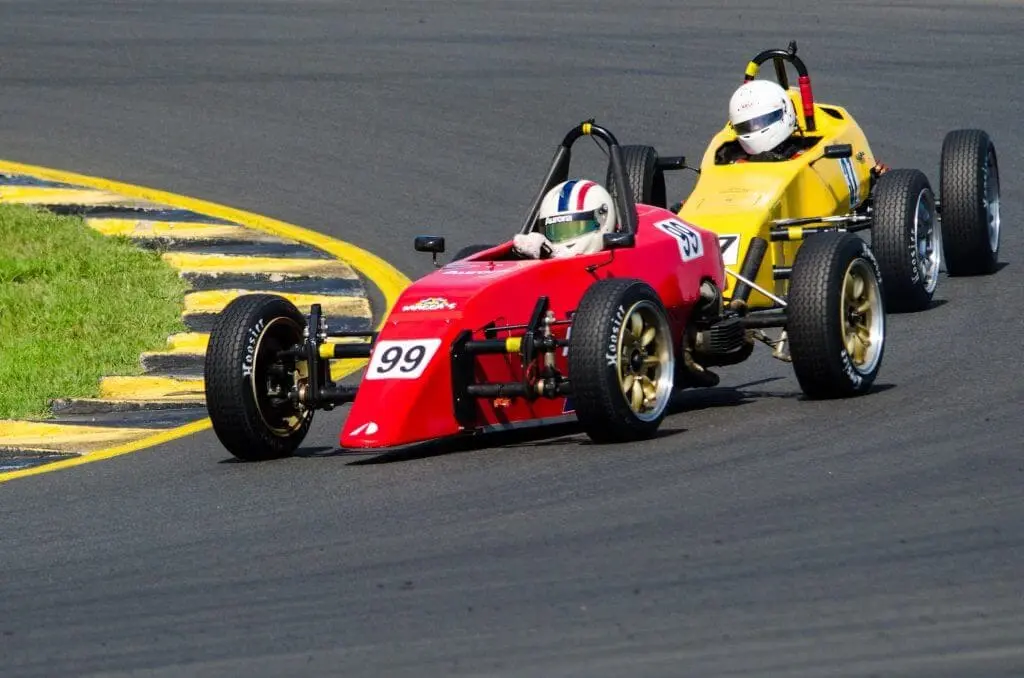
764,208
495,340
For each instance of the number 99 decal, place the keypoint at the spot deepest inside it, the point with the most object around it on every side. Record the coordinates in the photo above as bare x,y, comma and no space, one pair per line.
401,359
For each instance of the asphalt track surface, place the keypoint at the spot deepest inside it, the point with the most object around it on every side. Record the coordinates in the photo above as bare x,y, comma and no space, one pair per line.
760,535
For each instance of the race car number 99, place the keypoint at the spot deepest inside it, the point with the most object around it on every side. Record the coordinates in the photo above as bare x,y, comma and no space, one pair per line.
401,359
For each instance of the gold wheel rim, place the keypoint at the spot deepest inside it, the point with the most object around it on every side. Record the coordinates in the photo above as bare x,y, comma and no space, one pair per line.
862,316
644,360
260,380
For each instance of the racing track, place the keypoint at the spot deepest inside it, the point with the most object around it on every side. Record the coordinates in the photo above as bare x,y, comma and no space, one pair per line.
760,535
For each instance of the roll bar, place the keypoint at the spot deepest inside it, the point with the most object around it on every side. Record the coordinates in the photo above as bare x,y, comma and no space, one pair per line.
779,57
625,206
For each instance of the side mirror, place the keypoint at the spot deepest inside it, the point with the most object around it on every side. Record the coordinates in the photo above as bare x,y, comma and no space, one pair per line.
839,151
429,243
618,241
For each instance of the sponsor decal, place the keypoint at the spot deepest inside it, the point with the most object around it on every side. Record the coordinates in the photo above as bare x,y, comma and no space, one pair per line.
861,157
852,182
367,429
691,246
430,304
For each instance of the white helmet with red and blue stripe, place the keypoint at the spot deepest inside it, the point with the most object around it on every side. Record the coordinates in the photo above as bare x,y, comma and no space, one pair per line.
575,214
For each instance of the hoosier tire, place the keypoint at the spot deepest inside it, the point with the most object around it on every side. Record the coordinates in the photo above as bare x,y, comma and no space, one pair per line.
836,316
646,180
905,239
969,187
621,361
247,384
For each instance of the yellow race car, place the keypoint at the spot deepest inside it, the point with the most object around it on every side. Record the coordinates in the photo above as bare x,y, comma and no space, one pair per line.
763,211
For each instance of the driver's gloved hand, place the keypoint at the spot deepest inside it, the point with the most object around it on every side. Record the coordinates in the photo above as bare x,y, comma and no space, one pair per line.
532,245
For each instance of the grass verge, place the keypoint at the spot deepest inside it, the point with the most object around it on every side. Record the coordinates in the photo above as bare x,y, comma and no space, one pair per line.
75,306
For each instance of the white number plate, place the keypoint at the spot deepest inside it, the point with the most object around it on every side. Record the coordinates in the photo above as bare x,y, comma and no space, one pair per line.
730,245
401,359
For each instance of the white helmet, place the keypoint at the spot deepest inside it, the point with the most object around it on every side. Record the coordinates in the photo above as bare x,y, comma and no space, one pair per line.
762,115
575,215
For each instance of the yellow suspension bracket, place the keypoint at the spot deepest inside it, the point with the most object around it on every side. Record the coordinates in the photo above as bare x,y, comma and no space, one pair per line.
513,344
326,351
795,232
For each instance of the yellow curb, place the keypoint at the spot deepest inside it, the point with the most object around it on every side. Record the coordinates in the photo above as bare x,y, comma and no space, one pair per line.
42,195
56,437
214,301
159,389
179,230
187,262
189,343
389,280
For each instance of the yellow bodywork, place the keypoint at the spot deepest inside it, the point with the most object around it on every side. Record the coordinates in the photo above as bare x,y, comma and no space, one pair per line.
741,201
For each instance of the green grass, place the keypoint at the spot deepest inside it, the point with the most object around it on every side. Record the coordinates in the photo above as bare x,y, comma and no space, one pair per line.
75,306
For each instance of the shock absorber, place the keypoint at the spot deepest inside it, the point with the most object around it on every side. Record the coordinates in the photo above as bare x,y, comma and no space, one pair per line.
751,265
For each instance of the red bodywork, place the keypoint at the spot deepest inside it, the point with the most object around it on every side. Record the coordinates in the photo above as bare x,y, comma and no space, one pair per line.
488,288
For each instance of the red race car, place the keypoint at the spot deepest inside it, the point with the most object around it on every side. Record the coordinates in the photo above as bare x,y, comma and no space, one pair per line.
533,331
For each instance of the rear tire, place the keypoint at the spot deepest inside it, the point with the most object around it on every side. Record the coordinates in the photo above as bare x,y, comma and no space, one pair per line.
645,179
621,386
905,239
969,188
835,296
247,384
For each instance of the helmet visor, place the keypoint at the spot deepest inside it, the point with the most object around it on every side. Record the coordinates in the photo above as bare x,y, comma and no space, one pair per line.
758,123
562,227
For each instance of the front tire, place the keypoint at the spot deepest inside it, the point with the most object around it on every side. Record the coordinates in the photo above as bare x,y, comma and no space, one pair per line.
621,361
905,239
969,185
247,384
836,316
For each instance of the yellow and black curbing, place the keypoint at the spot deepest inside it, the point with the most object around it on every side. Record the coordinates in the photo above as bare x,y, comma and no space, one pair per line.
222,253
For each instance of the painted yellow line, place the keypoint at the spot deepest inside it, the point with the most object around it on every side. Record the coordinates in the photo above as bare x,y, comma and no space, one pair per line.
57,437
188,262
127,448
178,230
214,301
389,280
41,195
151,388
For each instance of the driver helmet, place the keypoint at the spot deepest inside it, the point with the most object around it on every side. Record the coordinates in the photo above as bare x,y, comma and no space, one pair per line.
576,214
762,115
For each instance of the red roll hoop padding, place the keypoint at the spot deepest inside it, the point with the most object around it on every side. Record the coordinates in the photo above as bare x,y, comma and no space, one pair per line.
807,99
